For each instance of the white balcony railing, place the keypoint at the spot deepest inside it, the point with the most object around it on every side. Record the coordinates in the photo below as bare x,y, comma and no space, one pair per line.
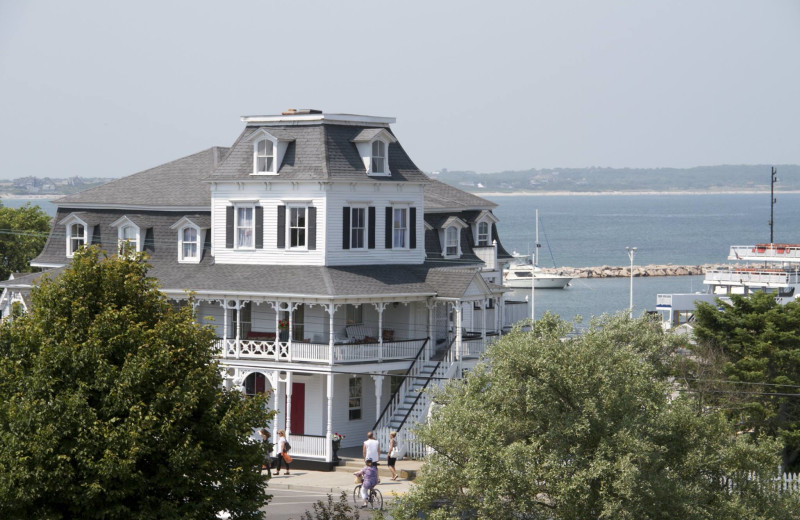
314,446
295,351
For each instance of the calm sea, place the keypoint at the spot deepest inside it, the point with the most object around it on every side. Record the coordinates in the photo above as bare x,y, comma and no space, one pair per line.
592,230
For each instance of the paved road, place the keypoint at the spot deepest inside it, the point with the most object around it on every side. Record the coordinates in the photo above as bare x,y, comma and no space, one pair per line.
290,504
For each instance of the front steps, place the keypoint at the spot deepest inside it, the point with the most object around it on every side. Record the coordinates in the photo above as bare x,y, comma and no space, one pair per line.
351,465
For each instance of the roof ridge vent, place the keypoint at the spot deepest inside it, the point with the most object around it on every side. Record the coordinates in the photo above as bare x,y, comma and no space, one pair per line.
300,111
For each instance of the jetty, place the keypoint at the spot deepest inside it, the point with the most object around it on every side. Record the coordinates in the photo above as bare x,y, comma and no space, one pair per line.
607,271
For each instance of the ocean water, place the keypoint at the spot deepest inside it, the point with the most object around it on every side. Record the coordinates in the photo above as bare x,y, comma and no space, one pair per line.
593,230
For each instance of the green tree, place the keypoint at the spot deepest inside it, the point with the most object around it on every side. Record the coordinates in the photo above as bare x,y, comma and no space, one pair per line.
112,405
23,232
757,344
589,427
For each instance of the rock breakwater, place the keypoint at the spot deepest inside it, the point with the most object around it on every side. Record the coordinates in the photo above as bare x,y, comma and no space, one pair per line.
607,271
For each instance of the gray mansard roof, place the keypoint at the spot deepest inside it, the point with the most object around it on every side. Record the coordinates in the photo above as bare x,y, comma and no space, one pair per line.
323,151
174,184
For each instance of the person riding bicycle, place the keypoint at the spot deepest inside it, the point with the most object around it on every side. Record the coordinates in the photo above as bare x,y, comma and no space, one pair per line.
369,474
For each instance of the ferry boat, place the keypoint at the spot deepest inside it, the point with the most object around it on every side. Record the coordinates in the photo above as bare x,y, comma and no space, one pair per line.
771,268
522,272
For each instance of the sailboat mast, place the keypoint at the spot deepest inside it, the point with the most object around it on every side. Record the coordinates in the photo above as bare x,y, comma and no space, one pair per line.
535,260
772,202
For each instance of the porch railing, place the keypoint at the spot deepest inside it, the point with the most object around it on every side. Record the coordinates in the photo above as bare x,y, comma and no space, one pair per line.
317,352
308,446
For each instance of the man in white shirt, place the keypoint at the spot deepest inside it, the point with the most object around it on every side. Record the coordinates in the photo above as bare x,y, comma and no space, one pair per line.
371,449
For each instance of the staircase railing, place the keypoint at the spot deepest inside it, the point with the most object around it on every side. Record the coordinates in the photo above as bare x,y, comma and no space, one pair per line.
443,370
399,394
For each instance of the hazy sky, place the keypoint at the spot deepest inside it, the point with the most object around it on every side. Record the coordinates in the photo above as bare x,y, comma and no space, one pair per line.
99,88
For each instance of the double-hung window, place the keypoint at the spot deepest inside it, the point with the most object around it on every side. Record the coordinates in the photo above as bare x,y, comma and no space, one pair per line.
451,241
245,227
354,314
297,227
128,235
354,403
358,227
378,157
190,243
483,234
400,227
265,156
77,238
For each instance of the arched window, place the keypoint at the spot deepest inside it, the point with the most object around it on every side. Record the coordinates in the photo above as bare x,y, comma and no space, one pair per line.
483,234
255,384
77,238
378,157
451,241
190,246
265,156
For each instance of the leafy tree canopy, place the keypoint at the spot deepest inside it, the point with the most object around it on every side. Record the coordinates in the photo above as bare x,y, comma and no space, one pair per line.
585,428
112,405
756,343
23,232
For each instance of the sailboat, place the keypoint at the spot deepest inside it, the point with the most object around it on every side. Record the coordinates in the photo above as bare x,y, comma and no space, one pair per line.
524,270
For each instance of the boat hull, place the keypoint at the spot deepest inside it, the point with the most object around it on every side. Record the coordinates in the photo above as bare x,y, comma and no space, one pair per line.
540,282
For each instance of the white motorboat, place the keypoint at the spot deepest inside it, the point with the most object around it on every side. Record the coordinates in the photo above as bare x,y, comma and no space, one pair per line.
520,273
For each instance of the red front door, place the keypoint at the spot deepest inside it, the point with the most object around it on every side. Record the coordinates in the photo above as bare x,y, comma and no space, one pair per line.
298,415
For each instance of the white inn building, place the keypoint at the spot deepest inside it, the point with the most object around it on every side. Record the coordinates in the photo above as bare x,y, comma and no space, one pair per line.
338,277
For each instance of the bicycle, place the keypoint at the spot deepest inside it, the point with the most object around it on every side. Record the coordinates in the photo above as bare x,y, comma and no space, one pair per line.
375,500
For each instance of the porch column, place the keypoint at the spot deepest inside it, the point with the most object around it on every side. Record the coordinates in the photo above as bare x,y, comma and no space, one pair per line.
378,392
483,316
431,322
459,317
238,327
277,306
331,308
329,431
497,326
276,378
224,329
380,307
288,403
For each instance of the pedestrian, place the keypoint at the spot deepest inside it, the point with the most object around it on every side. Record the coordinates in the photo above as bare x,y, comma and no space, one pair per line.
391,457
283,453
371,449
265,435
369,476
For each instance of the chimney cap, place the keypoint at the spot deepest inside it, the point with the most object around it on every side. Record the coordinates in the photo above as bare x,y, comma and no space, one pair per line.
300,111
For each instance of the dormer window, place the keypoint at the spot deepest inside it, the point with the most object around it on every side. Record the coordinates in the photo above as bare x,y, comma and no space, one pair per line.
378,157
128,234
451,241
265,156
76,238
483,233
450,237
190,244
269,147
373,147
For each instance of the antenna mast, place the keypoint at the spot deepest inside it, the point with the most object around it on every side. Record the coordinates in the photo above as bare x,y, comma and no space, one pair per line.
772,201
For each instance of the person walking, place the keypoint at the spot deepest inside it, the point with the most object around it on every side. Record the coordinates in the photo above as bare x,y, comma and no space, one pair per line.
371,449
391,457
265,435
283,453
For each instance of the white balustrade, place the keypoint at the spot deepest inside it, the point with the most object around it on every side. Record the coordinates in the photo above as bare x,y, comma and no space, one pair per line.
307,446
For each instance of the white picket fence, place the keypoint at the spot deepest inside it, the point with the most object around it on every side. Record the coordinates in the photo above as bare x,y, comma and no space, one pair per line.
783,482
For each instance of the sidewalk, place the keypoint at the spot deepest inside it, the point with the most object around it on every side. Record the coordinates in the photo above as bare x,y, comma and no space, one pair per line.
341,479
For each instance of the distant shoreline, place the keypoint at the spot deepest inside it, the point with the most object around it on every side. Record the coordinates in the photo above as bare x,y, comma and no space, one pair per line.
603,193
15,196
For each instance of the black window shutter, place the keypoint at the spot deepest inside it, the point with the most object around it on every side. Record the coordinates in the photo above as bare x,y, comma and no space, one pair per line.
259,227
412,224
388,242
229,227
281,227
346,227
371,223
312,228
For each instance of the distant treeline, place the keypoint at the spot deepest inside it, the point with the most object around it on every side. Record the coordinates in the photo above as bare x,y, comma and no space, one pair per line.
700,178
